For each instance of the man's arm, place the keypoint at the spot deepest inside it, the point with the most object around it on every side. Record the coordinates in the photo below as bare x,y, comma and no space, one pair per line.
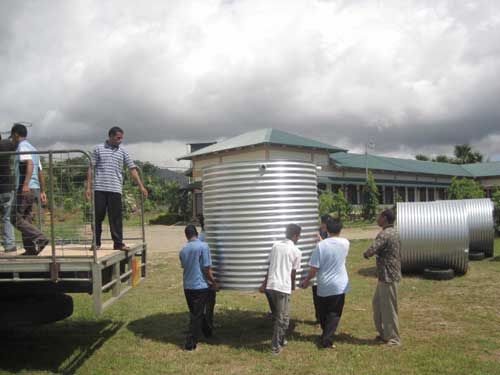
210,277
293,276
89,184
377,246
311,275
27,177
137,178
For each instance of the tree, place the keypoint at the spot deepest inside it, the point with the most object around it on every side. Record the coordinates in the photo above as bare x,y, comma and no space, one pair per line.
465,188
334,203
442,159
422,157
465,155
370,198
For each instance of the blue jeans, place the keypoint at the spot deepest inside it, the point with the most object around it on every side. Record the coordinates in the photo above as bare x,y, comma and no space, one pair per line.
6,200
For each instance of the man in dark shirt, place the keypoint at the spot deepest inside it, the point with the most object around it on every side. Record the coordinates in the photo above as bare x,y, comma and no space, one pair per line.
7,196
385,301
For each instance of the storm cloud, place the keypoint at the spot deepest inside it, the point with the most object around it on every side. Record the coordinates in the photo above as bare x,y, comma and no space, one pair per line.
411,76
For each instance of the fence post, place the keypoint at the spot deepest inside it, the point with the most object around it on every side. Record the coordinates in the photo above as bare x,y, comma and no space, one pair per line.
54,267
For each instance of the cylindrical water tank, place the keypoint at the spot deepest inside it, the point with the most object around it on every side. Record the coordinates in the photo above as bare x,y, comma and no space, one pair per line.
433,234
481,224
247,206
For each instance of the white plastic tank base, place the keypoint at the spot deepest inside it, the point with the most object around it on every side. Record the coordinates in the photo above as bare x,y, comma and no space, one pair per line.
247,207
433,234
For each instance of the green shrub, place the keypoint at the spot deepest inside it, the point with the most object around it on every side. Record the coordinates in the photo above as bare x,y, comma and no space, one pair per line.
166,219
334,203
465,188
496,201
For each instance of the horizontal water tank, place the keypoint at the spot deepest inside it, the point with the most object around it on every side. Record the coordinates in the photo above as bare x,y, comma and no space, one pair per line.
481,224
247,206
433,234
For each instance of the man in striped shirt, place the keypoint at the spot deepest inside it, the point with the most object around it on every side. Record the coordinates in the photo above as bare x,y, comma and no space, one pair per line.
109,159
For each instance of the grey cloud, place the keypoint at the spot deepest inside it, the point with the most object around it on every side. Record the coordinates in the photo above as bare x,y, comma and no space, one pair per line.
407,75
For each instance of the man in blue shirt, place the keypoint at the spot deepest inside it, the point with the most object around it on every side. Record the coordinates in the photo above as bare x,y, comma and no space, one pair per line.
328,263
27,167
197,279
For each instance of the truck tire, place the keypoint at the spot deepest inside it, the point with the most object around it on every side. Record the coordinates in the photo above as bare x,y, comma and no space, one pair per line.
477,256
34,310
438,274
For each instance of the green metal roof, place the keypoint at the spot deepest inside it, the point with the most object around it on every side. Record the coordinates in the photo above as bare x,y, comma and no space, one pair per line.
488,169
362,181
262,136
347,160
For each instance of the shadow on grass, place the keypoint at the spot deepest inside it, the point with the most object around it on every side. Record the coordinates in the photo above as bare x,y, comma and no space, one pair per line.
495,259
345,338
61,348
238,329
368,272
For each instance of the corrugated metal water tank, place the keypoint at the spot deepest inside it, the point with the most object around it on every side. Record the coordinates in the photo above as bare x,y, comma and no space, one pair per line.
481,224
247,207
433,234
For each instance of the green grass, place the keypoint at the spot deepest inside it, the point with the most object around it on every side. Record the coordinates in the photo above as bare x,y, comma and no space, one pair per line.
449,327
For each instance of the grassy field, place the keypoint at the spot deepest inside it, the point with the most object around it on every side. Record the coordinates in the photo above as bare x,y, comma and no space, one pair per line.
450,327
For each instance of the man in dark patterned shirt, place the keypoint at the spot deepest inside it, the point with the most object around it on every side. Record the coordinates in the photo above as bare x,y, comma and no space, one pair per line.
385,301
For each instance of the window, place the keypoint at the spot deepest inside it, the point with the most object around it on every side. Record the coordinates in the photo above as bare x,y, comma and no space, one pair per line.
422,195
352,194
411,194
402,193
431,195
389,195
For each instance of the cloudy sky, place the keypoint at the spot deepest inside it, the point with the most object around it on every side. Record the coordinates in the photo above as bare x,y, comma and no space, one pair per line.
410,76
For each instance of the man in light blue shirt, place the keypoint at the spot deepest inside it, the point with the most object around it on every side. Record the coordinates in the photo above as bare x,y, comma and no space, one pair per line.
27,167
197,279
328,265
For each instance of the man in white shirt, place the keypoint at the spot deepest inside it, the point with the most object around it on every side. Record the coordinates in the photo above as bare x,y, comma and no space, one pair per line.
284,261
328,264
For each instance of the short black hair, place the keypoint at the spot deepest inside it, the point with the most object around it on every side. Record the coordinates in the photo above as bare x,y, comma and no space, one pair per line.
334,225
190,231
324,218
389,215
114,130
19,129
292,230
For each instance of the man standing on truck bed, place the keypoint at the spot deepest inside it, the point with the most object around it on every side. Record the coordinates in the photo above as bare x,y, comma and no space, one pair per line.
27,167
109,159
6,196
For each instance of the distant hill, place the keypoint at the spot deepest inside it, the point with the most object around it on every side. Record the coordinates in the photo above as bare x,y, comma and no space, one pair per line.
170,175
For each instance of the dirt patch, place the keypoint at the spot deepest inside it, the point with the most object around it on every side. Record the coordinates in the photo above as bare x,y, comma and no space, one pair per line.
163,238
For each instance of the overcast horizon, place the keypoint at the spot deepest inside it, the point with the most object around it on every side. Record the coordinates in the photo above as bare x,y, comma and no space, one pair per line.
410,76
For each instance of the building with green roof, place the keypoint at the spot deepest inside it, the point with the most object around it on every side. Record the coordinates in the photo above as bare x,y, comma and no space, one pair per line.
406,179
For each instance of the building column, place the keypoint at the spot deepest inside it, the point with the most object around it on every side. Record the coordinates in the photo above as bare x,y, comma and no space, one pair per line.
382,201
427,194
358,193
416,194
406,194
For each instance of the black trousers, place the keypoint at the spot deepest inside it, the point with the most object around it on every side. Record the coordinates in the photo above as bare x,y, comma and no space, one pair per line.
209,311
330,312
315,302
110,203
197,300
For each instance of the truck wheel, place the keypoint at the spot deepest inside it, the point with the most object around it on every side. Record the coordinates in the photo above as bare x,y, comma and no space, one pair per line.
477,256
438,274
34,310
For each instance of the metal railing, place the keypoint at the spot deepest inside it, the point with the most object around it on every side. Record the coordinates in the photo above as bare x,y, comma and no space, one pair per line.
71,217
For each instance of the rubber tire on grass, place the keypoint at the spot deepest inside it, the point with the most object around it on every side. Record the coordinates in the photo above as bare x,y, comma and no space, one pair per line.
34,310
477,256
438,274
